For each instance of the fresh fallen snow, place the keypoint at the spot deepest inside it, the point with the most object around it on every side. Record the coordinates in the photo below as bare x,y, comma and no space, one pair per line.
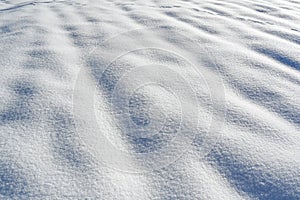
150,99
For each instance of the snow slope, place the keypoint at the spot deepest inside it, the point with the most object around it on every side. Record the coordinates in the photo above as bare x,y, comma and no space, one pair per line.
157,99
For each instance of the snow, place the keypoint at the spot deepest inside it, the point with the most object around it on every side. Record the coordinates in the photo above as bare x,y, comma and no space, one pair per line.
183,99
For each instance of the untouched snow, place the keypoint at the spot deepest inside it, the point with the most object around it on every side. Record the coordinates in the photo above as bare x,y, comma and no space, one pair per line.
150,99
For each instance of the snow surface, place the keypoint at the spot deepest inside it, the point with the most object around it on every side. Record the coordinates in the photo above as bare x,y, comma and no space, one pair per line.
150,99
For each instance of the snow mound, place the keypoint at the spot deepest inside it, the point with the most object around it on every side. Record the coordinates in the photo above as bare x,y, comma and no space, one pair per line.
182,99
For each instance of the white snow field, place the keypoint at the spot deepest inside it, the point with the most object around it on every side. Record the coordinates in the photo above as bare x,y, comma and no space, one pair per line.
150,99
